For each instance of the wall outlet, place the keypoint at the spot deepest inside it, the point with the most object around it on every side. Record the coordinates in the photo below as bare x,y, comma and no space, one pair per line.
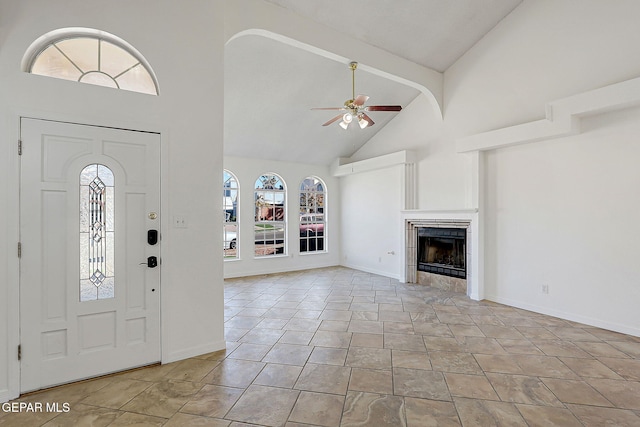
545,289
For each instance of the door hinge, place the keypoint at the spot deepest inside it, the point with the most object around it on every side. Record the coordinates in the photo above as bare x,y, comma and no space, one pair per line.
19,147
19,351
19,250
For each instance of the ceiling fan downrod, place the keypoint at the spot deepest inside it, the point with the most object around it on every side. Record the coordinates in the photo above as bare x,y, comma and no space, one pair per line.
353,65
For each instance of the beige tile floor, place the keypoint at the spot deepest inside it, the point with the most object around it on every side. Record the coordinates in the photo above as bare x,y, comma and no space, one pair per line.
339,347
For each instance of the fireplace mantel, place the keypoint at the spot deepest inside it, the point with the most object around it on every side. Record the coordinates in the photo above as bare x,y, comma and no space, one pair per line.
462,218
440,213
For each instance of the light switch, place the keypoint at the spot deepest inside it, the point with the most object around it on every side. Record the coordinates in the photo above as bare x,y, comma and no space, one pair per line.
179,221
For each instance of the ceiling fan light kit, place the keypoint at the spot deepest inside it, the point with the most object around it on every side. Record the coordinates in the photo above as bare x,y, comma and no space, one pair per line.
355,108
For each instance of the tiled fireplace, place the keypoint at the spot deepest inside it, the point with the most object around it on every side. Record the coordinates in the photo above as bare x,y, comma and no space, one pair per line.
441,250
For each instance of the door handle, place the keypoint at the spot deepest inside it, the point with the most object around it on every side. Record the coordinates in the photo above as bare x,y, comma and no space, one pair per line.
152,262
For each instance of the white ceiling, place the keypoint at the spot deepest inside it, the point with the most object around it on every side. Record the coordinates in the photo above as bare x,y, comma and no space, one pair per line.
270,87
433,33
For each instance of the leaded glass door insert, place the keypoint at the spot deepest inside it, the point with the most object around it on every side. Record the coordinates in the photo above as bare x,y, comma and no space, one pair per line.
97,233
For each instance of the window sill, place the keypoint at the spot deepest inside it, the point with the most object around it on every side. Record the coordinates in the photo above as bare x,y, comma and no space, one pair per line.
272,256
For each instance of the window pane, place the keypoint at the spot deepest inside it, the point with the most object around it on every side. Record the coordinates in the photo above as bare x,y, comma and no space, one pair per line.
312,220
230,238
81,51
269,238
105,174
137,79
106,290
98,79
114,60
97,235
270,216
230,210
52,63
269,182
109,209
88,174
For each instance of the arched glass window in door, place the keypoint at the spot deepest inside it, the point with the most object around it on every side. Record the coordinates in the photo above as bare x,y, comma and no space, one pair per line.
97,233
230,214
93,57
270,216
312,215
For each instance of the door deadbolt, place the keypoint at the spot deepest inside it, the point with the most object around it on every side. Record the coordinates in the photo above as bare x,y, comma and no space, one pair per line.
152,237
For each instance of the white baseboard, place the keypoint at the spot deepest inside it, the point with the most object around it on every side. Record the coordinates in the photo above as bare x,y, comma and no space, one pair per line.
194,351
261,272
372,271
573,317
6,395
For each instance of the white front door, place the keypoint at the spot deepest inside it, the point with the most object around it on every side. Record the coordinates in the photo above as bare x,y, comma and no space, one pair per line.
89,303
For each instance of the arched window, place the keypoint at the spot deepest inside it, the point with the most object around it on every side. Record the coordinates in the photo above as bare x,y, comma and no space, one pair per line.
230,208
312,215
270,216
97,217
90,56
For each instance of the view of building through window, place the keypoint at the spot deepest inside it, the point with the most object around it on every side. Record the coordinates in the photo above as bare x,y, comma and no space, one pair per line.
230,215
312,215
270,216
270,225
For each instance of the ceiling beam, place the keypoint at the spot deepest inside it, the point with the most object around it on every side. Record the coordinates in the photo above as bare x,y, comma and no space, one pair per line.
257,17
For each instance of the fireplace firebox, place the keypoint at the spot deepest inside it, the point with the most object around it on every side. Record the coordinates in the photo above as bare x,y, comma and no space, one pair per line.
442,251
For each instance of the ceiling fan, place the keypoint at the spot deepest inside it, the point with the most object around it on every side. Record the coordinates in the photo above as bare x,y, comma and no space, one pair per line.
354,107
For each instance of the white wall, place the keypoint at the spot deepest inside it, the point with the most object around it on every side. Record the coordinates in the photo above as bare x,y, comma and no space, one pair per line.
188,114
443,175
545,201
247,171
544,50
371,204
563,213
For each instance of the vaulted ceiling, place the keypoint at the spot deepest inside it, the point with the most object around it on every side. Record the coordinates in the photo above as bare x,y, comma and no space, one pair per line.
270,87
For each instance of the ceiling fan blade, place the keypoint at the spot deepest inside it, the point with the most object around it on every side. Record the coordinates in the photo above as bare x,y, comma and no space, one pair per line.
368,119
360,100
336,118
383,108
330,108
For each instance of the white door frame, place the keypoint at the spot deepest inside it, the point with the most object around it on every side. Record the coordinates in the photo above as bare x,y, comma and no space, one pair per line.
13,225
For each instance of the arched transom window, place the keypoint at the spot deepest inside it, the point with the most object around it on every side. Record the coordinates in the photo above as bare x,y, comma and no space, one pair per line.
90,56
270,216
312,215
